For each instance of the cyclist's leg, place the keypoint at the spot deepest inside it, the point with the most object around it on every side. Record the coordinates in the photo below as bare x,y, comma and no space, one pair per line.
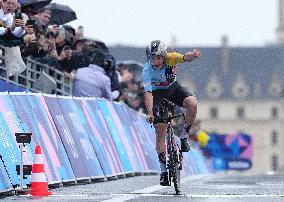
160,128
160,144
183,98
190,104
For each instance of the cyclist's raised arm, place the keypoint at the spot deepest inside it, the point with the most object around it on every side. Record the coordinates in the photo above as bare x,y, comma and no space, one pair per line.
190,56
176,58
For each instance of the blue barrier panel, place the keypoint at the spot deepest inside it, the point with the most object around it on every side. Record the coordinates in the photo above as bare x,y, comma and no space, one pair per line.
9,124
4,86
78,126
81,122
121,143
186,166
33,110
5,183
145,137
132,137
102,139
101,125
148,141
74,150
199,161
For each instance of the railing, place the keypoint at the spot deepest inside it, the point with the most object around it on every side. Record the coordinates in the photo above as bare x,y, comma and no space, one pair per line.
38,77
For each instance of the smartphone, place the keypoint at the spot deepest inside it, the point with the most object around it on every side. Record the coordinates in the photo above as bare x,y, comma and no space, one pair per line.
18,15
61,31
30,22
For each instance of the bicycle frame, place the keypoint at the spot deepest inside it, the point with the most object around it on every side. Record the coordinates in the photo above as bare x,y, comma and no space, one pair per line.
173,153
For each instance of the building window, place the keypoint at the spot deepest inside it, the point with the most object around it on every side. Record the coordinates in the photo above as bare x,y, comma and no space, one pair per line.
274,112
274,163
214,113
241,113
274,138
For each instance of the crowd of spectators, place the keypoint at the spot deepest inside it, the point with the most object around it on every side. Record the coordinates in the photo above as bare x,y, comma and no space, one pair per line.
85,61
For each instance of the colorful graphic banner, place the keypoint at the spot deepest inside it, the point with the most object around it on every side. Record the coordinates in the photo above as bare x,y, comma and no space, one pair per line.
146,138
5,183
101,139
132,137
229,151
80,130
70,141
121,142
10,123
33,110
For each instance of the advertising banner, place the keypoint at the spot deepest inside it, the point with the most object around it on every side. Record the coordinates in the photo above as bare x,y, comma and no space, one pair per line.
121,142
70,141
10,123
80,130
101,139
147,138
5,183
132,136
33,110
229,151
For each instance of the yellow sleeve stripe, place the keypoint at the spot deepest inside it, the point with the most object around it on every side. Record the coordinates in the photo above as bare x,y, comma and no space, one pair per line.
174,58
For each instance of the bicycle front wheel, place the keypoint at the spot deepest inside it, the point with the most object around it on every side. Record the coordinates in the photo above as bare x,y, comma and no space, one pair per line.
176,174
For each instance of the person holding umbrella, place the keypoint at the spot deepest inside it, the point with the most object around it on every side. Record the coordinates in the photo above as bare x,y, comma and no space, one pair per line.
61,14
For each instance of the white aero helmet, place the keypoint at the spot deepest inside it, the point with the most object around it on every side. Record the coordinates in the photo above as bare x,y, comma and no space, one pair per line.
158,47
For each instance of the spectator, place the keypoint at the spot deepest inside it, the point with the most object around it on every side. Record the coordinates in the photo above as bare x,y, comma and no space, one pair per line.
64,60
79,44
125,75
92,81
9,25
11,31
42,19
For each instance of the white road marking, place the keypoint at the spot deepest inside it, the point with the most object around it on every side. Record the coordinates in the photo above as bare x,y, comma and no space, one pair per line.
148,190
233,196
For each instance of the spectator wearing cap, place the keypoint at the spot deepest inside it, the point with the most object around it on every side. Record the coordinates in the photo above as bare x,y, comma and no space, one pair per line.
92,81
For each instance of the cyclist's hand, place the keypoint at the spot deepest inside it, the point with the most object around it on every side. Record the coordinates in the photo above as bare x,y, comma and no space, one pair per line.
150,118
196,53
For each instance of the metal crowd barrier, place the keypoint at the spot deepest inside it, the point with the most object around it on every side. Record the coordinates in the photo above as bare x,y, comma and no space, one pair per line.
38,77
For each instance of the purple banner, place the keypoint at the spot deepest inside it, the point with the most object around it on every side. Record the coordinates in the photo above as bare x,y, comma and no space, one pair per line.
102,139
147,140
132,137
33,110
73,148
120,140
80,129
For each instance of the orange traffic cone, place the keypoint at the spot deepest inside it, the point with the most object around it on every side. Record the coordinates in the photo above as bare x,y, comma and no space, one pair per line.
39,186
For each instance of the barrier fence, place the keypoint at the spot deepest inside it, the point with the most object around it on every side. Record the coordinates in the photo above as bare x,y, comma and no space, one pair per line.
81,139
37,77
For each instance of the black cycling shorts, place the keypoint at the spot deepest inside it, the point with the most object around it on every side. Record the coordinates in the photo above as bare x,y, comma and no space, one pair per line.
175,93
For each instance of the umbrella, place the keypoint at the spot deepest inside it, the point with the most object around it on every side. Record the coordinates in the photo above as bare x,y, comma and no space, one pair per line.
61,14
35,4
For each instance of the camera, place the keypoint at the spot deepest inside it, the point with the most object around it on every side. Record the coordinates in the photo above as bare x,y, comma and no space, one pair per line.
50,35
30,22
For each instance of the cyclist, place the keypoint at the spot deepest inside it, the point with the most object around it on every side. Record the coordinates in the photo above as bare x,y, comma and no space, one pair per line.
159,79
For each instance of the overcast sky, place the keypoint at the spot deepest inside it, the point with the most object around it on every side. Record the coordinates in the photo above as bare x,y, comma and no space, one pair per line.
192,22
